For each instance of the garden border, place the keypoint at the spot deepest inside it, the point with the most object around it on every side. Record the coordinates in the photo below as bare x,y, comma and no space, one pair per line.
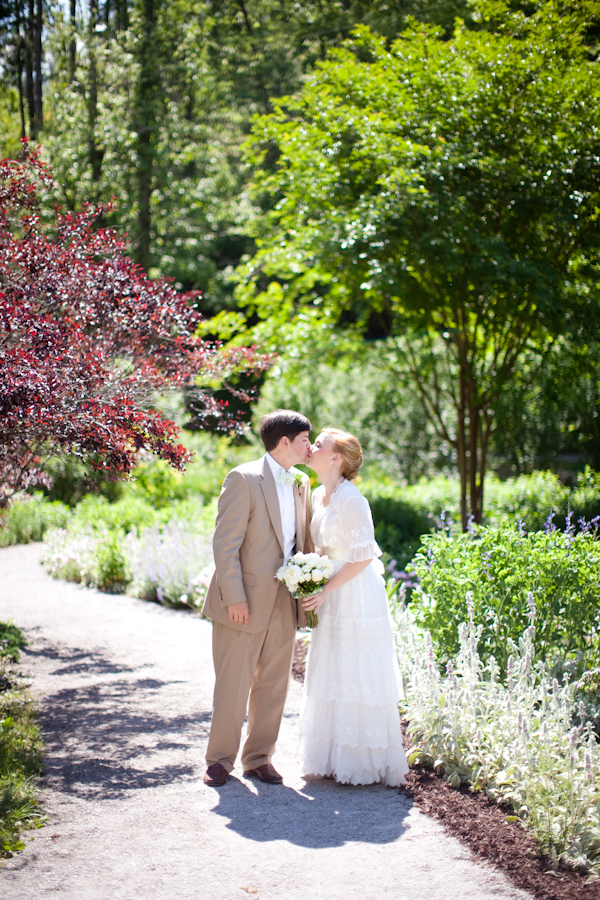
465,814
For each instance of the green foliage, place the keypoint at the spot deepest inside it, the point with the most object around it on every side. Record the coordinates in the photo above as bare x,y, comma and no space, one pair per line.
29,518
214,457
508,573
443,175
20,754
347,384
550,411
169,148
97,545
399,524
402,513
10,126
12,640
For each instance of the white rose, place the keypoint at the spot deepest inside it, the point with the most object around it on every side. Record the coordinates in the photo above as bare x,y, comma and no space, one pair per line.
307,567
298,557
281,573
292,575
317,575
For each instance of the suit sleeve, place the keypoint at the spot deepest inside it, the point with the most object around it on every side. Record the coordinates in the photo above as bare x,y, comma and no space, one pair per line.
230,530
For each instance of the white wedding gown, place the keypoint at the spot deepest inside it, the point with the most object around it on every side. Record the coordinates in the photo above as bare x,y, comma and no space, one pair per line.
349,720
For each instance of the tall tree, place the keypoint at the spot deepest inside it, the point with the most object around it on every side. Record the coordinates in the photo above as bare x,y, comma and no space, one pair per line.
145,120
443,188
96,152
186,78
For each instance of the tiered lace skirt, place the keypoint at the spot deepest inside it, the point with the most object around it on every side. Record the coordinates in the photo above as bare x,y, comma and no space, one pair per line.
349,721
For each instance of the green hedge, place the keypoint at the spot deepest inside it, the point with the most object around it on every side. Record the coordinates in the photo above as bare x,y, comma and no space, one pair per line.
402,514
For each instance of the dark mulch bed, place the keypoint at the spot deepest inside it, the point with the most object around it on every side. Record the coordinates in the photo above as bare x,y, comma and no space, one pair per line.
482,826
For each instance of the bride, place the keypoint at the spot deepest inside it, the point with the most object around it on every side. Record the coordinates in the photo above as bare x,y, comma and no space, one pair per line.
349,721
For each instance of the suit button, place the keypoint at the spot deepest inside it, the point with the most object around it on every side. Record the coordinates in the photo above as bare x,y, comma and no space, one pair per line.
281,556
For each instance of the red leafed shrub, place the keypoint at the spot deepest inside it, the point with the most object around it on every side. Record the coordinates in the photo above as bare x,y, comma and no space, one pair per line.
88,341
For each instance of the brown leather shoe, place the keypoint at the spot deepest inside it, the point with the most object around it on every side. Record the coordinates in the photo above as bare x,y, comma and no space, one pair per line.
216,775
265,773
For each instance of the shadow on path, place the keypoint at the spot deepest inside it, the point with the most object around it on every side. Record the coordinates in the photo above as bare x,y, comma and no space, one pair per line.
323,814
106,736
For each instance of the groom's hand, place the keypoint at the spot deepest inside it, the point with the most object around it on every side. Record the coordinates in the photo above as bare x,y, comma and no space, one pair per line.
239,613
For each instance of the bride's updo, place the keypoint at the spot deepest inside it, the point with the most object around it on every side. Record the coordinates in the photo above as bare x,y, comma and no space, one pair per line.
349,449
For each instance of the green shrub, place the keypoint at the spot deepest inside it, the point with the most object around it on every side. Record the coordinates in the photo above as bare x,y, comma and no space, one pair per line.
528,498
403,513
398,523
29,518
508,571
12,640
20,752
98,546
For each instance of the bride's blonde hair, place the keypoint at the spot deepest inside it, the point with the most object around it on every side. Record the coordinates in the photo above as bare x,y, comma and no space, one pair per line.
349,449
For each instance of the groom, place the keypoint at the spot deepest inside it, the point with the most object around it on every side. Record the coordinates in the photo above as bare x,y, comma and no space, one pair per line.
263,518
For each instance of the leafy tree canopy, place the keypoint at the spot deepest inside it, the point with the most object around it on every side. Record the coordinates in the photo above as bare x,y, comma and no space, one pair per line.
449,189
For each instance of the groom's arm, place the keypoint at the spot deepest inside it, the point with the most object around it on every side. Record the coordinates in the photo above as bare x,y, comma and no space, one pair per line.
230,531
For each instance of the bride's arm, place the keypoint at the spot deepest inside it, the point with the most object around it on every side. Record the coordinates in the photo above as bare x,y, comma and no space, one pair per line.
348,571
357,526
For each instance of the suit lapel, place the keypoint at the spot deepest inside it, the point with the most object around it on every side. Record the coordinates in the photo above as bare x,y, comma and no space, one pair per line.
269,489
299,518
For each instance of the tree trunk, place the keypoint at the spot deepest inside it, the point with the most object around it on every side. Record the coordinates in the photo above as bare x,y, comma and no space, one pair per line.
20,47
73,43
146,130
461,440
485,431
122,15
37,67
29,42
96,153
473,462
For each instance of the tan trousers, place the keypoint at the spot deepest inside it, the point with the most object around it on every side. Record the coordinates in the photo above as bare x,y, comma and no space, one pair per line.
257,665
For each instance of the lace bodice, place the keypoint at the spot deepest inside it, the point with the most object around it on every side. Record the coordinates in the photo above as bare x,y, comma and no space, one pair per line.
344,529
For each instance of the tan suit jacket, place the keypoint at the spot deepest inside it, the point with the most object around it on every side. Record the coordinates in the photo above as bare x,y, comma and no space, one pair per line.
248,545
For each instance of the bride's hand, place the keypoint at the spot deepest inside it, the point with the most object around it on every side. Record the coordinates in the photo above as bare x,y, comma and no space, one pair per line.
316,600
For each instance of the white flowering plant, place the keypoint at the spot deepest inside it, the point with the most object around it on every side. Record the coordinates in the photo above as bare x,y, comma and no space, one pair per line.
306,574
518,741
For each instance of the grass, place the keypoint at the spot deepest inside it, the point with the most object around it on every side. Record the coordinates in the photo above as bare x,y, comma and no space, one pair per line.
20,749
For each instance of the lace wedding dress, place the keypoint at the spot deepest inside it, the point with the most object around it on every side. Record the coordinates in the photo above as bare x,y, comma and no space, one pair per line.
349,720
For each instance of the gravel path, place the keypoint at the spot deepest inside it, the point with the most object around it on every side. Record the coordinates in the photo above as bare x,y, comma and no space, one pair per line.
125,693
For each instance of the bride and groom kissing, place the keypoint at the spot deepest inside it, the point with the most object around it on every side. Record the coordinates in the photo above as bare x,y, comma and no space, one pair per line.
349,720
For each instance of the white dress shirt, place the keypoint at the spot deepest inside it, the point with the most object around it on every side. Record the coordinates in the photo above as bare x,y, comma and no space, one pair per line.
287,508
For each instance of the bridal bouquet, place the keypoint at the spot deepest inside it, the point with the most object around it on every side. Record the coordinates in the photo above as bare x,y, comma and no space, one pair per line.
305,574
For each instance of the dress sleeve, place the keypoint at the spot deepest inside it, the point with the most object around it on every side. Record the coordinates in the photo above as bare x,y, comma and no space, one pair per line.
357,525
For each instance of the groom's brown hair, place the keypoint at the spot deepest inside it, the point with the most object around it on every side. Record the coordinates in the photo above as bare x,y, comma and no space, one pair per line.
282,423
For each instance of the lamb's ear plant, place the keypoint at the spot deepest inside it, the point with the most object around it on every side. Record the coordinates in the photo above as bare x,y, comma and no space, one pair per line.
516,740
